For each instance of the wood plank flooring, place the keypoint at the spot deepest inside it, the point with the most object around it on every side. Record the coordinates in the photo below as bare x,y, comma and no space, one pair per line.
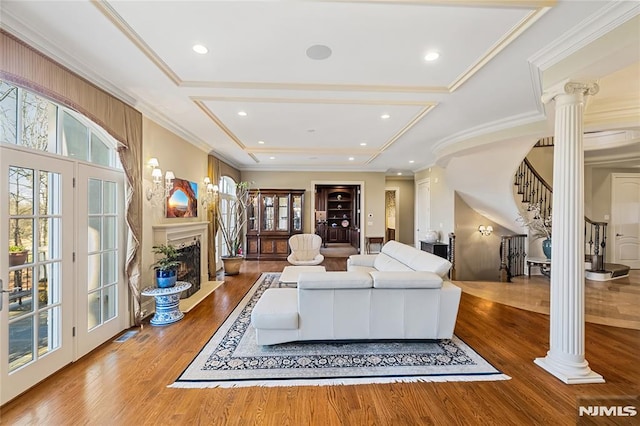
126,383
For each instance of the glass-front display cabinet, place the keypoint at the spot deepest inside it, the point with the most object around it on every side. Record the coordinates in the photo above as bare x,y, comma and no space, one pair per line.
273,216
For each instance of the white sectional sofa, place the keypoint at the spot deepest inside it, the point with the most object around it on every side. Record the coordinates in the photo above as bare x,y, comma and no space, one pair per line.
400,293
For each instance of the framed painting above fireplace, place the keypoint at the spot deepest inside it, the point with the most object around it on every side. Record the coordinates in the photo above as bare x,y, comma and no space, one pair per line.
183,199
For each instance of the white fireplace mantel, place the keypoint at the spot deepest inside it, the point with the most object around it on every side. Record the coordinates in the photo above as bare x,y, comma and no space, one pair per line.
178,234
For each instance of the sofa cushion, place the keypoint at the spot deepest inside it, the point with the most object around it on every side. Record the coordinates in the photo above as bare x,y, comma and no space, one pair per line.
415,259
276,309
406,279
365,269
335,280
385,262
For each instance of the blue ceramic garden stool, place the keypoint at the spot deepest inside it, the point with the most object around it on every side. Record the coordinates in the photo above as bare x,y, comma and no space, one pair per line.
167,302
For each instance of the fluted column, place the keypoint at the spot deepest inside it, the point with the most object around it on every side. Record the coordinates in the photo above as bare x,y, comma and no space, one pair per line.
565,358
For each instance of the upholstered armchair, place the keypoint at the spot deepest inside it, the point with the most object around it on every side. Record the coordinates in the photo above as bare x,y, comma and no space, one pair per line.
305,249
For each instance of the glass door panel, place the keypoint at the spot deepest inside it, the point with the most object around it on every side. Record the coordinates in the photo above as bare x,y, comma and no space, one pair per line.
37,272
297,213
283,213
269,213
101,276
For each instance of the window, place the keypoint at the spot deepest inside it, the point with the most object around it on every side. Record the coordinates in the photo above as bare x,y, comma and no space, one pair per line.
32,121
227,193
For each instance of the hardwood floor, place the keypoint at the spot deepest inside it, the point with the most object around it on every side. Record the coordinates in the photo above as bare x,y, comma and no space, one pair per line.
606,302
126,383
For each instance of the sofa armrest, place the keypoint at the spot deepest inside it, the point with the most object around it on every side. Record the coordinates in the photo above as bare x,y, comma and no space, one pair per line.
361,260
406,279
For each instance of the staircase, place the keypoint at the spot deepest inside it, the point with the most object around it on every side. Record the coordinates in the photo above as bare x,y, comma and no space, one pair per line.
535,190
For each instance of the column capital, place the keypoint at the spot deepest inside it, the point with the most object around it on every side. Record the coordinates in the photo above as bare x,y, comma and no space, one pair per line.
568,87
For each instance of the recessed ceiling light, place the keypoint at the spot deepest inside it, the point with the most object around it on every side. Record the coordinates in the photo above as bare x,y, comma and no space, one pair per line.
272,158
399,173
431,56
412,161
385,116
318,52
261,142
363,144
198,48
242,113
351,158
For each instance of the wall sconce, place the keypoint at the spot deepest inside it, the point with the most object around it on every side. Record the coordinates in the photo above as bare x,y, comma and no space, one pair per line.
158,191
210,193
485,230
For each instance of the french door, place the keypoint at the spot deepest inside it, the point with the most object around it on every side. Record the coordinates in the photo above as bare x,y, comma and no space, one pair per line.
63,286
101,292
36,316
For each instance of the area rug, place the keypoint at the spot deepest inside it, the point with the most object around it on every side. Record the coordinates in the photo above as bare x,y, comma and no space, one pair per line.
232,358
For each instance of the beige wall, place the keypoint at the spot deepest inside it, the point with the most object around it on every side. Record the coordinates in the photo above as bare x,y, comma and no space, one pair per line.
477,256
542,161
175,154
405,196
372,200
442,201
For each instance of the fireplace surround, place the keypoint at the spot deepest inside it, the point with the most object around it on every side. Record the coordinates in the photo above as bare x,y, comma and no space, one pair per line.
190,238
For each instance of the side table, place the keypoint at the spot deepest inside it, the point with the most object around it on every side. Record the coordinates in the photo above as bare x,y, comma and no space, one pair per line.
544,264
167,302
373,240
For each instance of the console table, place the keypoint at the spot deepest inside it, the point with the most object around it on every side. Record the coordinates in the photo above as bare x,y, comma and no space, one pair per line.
544,264
439,249
167,302
374,240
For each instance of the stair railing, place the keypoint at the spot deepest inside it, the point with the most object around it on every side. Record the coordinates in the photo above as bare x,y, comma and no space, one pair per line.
533,188
595,236
512,256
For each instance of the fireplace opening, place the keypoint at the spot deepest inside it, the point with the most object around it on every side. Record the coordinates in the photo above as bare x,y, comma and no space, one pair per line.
189,269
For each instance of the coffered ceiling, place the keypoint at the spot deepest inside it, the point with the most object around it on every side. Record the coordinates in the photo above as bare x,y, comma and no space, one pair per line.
332,85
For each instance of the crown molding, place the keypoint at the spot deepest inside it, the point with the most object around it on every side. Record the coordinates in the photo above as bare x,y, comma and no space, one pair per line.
110,13
595,26
449,144
314,101
32,37
499,46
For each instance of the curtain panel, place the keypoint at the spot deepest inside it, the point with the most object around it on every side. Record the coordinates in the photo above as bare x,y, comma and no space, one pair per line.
24,66
216,168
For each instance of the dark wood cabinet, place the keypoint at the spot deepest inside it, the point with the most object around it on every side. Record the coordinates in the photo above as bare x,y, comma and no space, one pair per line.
439,249
339,204
272,217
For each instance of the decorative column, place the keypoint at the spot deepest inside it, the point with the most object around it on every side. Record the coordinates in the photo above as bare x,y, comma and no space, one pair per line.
565,358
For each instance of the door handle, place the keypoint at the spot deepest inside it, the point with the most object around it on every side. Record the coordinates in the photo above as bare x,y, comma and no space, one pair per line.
619,235
2,290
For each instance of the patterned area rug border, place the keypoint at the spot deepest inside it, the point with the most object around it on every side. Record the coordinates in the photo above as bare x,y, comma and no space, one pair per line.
232,358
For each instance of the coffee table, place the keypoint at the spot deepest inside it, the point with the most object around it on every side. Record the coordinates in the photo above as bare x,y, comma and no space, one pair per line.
290,274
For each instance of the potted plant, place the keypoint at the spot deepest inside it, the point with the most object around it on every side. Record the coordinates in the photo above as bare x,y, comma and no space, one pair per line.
166,265
232,225
18,255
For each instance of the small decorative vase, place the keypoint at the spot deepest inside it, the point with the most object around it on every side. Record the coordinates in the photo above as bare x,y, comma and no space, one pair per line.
546,247
431,236
166,279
